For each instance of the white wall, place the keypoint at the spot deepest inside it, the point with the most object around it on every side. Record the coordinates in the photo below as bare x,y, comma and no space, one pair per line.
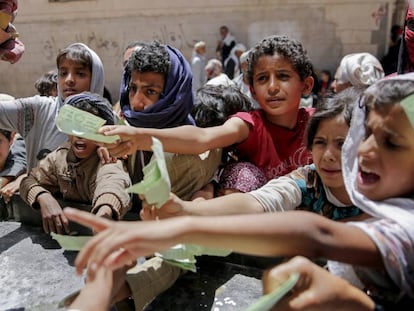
328,29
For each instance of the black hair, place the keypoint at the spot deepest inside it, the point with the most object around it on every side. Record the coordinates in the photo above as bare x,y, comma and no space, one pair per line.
76,52
341,104
387,93
152,57
290,49
134,44
215,103
47,83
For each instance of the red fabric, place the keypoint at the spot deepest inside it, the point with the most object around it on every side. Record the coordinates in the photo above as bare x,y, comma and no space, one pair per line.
12,49
409,36
274,149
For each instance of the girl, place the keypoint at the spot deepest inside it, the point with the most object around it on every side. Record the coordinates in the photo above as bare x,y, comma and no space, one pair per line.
378,162
318,187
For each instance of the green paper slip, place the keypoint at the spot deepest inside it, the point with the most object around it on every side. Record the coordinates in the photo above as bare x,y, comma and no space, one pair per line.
156,185
183,255
266,302
76,122
71,243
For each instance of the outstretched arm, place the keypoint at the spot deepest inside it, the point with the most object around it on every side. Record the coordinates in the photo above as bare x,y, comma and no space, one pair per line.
289,233
232,204
184,139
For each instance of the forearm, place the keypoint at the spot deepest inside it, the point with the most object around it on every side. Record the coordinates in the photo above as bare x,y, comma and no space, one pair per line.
287,234
233,204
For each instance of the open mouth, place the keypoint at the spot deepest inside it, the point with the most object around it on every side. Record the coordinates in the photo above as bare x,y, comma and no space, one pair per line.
367,178
80,145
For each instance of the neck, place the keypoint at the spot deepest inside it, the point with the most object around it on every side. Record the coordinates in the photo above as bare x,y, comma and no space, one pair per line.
341,194
288,121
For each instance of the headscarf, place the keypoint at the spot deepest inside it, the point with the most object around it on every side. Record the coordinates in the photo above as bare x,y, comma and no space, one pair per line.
98,76
96,101
359,69
176,102
400,210
243,176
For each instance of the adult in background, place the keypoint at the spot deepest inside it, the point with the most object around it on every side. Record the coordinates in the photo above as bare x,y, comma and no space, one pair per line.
198,62
226,44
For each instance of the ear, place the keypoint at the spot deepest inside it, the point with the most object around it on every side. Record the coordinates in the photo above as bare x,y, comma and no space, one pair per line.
253,92
12,137
308,85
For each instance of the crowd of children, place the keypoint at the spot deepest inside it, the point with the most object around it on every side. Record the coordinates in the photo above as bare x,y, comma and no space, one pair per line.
342,173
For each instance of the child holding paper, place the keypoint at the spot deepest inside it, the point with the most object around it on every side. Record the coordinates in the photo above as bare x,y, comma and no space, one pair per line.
75,171
378,168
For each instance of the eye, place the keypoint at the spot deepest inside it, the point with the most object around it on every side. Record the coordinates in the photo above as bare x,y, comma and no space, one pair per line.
62,73
151,92
319,142
283,76
132,89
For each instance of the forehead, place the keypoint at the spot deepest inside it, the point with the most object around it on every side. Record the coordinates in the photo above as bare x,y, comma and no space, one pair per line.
66,63
275,62
153,78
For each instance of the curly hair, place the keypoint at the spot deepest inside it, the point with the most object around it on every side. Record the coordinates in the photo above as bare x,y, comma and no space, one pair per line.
290,49
152,57
215,103
341,104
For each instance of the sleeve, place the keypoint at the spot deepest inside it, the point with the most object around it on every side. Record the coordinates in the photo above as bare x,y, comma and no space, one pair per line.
16,164
278,195
42,178
111,183
397,250
17,115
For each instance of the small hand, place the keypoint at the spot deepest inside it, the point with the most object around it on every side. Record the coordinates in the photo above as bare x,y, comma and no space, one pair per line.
53,218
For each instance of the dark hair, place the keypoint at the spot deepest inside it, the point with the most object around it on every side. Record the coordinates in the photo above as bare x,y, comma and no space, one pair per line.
341,104
92,103
290,49
388,92
215,103
46,83
6,133
77,53
134,44
153,57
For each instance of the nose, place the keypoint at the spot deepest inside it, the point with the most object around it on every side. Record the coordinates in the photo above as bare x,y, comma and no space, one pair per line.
368,147
330,154
273,86
136,100
69,79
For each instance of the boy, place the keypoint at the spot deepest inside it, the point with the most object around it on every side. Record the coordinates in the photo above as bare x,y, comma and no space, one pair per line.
271,137
75,171
79,69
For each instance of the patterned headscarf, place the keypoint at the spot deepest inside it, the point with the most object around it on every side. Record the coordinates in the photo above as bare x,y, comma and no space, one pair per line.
359,69
176,102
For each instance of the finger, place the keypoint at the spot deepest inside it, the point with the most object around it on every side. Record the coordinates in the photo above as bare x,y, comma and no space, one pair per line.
107,129
51,225
57,224
45,224
87,219
65,223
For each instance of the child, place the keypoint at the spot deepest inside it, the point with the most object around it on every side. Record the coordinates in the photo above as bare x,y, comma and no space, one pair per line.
378,169
12,165
79,69
75,171
271,137
46,85
318,187
159,95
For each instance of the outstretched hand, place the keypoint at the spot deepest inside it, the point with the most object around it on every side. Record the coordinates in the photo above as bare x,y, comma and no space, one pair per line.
118,243
316,289
172,208
128,143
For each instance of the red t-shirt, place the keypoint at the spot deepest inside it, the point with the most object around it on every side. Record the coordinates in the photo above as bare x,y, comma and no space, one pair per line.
275,149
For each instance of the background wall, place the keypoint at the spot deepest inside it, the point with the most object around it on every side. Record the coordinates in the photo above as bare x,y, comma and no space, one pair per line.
328,29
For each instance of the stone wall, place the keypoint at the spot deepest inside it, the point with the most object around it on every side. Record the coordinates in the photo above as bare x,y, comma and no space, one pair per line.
327,28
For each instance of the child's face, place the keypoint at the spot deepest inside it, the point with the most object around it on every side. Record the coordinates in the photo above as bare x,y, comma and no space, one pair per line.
278,88
145,89
5,145
386,156
81,147
326,153
73,78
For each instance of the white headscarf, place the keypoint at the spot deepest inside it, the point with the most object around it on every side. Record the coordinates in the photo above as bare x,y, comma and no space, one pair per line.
401,210
359,69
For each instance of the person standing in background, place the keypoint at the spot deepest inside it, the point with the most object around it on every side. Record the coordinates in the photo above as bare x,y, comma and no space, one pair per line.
226,44
198,62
